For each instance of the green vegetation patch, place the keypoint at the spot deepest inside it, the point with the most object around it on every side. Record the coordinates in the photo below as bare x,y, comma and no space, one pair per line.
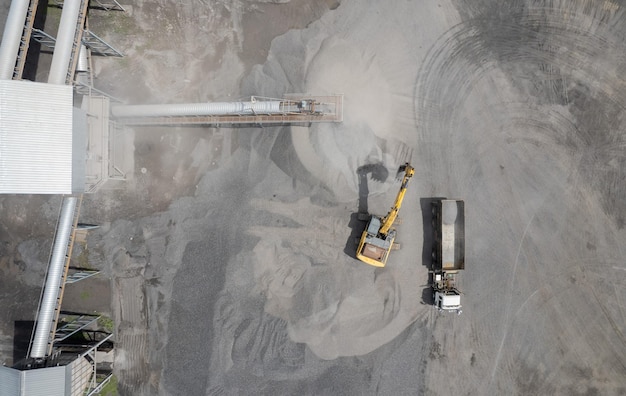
110,389
83,257
106,323
84,295
117,22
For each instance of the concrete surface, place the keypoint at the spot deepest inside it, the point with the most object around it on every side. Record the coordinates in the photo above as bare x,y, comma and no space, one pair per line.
231,256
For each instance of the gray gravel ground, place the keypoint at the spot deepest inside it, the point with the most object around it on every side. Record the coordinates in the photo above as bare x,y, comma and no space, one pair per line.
231,263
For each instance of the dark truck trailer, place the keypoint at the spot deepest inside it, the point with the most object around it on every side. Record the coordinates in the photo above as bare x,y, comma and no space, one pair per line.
448,256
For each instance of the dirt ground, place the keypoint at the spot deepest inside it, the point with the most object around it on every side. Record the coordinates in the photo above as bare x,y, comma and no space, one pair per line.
230,252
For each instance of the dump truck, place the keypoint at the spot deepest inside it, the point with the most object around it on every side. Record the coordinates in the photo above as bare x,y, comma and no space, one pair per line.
378,238
448,256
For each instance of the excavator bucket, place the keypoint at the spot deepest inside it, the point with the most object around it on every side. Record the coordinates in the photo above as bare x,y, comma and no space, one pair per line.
401,171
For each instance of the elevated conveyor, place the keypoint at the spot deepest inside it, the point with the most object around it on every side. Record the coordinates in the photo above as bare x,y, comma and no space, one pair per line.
52,293
293,109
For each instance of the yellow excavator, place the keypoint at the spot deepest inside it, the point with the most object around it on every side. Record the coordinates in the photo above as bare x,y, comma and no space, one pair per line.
377,239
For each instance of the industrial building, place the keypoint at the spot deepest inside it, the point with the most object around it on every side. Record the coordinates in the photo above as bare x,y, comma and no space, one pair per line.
53,140
61,137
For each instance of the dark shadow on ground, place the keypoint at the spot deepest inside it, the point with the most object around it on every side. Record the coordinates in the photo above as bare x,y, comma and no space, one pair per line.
427,293
22,330
427,218
357,226
34,47
74,313
426,204
358,221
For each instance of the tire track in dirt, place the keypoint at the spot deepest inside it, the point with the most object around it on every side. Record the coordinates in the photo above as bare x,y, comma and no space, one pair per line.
554,71
547,55
132,335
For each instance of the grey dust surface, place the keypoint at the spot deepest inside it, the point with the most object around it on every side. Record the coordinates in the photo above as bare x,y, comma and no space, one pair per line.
232,256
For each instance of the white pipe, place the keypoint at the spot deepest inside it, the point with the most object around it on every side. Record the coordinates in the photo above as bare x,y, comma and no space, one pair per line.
56,268
198,109
16,19
64,42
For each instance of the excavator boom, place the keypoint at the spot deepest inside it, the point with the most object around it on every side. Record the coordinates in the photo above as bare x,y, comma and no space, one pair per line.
377,239
393,213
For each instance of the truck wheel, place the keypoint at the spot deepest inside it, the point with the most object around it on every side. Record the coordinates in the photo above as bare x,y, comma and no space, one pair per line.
395,246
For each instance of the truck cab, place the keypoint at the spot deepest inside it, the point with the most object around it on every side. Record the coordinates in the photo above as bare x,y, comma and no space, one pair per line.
448,300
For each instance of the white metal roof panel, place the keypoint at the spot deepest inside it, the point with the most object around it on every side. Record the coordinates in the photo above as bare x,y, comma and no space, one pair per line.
9,381
36,382
35,138
45,381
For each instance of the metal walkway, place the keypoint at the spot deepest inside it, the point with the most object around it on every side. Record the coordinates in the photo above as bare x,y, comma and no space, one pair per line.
25,40
78,35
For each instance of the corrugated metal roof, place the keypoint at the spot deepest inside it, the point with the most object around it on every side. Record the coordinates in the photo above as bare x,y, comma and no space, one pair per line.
35,138
9,381
37,382
45,381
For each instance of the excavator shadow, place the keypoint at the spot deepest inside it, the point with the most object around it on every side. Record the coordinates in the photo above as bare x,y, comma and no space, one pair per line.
358,221
21,340
357,226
